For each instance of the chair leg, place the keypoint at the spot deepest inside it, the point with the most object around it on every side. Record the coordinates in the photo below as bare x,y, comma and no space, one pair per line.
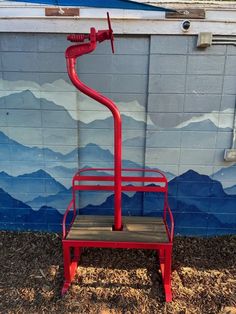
161,254
67,275
165,256
77,252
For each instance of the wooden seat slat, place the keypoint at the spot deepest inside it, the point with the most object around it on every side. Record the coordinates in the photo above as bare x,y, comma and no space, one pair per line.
99,228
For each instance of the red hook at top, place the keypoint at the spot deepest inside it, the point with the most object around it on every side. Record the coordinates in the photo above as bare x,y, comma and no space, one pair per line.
90,45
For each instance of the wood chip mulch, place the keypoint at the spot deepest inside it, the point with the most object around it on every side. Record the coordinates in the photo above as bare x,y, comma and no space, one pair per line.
116,281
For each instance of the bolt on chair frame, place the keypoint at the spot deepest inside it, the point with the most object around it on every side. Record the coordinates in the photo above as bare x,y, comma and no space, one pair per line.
127,232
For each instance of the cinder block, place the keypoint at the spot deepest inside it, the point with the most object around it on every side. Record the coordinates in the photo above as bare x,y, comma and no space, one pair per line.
131,45
202,103
126,98
168,64
165,120
204,84
230,65
231,50
95,64
4,134
26,136
20,61
22,76
229,85
206,64
52,43
192,139
160,156
97,137
53,119
60,137
212,50
207,170
163,44
201,124
21,100
18,42
130,64
165,102
136,154
163,139
197,156
129,83
25,156
62,79
101,83
51,62
226,120
24,118
219,158
57,100
223,140
227,102
166,84
4,152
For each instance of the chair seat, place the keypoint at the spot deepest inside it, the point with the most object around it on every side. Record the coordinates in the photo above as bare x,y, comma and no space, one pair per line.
135,229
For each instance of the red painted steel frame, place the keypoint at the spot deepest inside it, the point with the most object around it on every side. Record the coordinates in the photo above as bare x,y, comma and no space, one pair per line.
164,250
76,186
72,53
114,181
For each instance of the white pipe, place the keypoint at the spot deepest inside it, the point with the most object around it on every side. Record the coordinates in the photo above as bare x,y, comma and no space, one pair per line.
228,38
223,43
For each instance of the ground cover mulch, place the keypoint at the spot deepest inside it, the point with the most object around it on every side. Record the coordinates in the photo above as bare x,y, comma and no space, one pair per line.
116,281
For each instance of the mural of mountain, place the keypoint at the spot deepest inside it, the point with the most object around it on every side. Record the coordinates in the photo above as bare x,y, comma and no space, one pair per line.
19,152
206,125
222,120
132,206
189,196
11,209
231,190
59,201
16,215
127,123
199,204
53,115
26,186
227,174
70,100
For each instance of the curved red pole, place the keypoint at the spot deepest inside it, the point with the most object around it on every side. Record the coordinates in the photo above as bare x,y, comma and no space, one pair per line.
71,54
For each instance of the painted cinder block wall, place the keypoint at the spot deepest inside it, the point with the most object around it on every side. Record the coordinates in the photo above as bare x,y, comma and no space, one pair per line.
177,104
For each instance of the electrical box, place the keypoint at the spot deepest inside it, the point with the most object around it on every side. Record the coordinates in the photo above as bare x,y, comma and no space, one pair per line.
204,40
230,154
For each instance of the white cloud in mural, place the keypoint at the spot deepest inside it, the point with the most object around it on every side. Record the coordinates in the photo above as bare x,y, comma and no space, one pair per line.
64,94
221,119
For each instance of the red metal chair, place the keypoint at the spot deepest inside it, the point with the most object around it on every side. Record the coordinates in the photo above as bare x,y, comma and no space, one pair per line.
103,231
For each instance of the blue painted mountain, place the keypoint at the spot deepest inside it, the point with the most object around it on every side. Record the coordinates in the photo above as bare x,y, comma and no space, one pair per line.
192,211
130,206
59,201
196,200
206,125
16,215
12,150
127,123
227,174
12,209
231,190
27,186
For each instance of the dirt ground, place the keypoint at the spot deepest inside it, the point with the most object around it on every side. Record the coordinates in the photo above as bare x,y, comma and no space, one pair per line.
116,281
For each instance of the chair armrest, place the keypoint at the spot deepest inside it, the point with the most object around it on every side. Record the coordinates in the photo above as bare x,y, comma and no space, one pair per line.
65,217
170,230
